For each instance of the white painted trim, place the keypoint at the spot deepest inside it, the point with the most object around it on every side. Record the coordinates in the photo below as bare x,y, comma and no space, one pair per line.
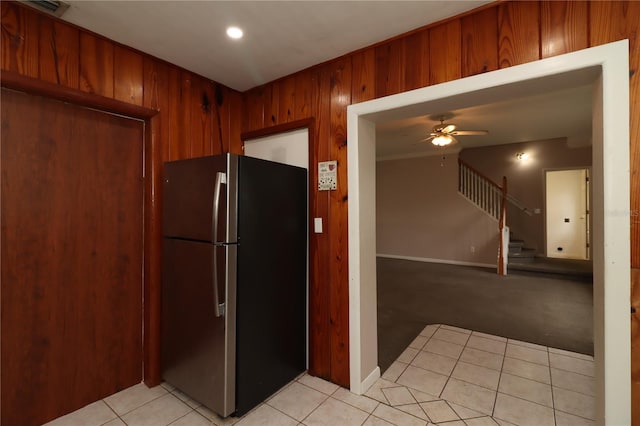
608,65
370,380
431,260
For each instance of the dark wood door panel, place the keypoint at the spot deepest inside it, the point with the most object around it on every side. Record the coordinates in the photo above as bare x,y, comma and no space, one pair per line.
71,256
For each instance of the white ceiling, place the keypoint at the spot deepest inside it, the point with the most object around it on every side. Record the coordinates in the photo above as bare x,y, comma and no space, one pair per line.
283,37
564,113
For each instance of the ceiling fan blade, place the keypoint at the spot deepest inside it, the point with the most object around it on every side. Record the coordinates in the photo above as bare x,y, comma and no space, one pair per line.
470,132
449,128
427,139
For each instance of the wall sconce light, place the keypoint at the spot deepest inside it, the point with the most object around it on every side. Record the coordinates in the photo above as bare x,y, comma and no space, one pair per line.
522,156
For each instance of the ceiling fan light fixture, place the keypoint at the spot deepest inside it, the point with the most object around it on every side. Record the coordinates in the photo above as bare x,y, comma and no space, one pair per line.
442,140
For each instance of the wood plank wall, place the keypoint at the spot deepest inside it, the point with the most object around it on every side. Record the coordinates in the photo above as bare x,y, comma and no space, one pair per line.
195,116
192,123
498,36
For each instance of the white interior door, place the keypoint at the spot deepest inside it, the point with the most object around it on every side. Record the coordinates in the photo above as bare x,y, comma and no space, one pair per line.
288,148
567,217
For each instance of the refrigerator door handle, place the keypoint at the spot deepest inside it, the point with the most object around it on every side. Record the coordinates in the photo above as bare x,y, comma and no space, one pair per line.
218,308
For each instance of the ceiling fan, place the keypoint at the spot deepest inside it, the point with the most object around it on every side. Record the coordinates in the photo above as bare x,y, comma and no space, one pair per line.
443,134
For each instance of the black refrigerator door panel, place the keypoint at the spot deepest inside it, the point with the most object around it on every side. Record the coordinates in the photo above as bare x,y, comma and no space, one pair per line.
272,277
188,198
198,354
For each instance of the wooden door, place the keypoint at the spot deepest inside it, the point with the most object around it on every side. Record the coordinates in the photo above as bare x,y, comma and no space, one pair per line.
71,256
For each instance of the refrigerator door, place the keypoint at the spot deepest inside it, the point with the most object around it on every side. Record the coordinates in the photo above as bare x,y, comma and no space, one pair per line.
198,347
188,199
272,278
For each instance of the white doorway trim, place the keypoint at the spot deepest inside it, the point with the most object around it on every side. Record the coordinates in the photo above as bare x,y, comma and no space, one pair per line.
607,68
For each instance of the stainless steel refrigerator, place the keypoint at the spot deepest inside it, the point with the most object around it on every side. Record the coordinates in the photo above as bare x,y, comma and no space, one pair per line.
234,279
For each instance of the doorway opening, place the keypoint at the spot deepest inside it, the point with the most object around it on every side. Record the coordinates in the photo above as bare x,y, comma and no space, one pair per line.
567,214
606,67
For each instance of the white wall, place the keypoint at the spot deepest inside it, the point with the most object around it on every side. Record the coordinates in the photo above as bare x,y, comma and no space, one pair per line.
421,215
288,148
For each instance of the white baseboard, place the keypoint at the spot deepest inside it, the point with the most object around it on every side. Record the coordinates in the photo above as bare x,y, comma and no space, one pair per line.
431,260
368,382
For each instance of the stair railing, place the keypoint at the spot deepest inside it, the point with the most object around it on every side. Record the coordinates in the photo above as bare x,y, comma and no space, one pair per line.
490,197
480,190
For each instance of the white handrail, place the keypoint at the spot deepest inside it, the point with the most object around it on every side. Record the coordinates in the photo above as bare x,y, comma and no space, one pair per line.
480,190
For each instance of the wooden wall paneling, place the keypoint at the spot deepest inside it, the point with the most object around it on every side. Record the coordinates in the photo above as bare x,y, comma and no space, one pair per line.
184,115
416,58
221,119
172,114
271,103
156,96
389,69
128,75
363,75
319,279
303,95
519,33
563,27
59,47
287,100
96,65
612,21
338,226
234,101
152,301
480,42
635,346
253,110
19,39
445,51
204,141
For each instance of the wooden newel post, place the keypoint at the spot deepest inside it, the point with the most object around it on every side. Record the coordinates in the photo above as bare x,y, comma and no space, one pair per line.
502,269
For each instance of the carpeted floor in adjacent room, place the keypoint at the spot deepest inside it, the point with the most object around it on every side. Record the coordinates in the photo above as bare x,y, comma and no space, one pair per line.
547,309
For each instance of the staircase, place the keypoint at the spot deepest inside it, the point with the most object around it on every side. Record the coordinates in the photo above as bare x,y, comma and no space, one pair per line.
512,251
493,198
518,253
490,197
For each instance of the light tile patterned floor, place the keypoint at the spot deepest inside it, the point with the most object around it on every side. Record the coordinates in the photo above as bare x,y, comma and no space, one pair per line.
447,376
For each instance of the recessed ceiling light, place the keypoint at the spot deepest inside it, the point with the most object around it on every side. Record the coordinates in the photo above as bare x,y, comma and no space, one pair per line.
234,32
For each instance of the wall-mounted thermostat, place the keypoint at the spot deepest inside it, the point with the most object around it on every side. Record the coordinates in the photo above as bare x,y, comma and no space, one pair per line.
327,176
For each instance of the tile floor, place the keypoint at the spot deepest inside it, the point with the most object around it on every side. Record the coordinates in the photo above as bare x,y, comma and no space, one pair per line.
447,376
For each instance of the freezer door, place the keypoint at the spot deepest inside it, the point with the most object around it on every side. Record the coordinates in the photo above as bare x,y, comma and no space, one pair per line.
198,347
188,198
